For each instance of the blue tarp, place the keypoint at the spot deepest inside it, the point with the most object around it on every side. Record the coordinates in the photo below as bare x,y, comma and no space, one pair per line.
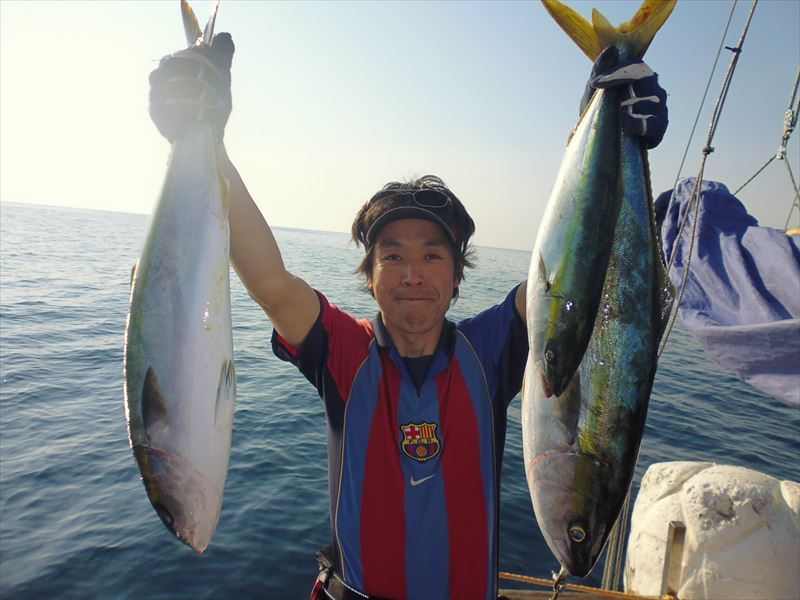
742,296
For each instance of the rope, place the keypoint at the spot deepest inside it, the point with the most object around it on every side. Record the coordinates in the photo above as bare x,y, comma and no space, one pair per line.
548,583
796,195
612,571
741,187
695,199
789,122
705,93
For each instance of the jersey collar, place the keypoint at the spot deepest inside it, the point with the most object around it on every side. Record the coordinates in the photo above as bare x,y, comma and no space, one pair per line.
447,339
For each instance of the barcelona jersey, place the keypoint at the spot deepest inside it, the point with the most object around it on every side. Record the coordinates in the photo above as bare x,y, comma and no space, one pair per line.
414,471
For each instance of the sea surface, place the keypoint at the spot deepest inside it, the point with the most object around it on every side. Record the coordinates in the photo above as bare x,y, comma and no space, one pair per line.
74,518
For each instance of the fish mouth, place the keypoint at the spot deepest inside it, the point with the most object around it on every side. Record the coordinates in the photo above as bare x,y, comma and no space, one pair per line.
183,498
546,387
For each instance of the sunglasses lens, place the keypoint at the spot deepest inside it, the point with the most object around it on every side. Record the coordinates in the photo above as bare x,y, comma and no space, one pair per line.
424,198
431,199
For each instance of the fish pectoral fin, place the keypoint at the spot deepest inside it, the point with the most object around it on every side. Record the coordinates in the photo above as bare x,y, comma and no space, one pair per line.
542,274
226,389
154,407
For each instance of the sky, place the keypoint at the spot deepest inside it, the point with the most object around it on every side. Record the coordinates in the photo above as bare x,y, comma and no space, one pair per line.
333,99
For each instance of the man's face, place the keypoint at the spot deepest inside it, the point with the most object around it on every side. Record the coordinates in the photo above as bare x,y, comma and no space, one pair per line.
413,276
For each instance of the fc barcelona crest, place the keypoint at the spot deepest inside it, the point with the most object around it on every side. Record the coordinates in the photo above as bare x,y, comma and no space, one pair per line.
420,441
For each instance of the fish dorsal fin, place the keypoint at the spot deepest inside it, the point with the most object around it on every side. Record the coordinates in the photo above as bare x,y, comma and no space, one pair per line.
633,36
190,25
576,27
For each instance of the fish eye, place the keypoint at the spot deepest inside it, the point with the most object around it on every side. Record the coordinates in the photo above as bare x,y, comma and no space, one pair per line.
550,355
577,534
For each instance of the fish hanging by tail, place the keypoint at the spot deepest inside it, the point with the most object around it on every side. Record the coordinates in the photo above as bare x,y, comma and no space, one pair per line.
180,379
581,445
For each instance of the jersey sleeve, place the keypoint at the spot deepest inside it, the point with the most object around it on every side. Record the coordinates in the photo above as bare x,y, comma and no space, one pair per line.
332,352
500,339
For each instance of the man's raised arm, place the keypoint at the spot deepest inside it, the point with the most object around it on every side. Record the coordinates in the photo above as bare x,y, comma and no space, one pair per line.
193,86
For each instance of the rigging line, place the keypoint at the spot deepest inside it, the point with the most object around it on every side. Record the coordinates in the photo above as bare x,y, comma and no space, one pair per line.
708,149
790,119
789,122
705,93
797,195
695,199
756,174
612,570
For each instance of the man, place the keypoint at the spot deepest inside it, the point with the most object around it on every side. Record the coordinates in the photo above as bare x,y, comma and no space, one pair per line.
416,405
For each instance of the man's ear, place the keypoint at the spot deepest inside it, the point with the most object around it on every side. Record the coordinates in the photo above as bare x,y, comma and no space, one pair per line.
456,283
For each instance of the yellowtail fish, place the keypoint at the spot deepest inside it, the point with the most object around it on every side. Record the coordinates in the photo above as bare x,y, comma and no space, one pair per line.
573,244
581,446
180,381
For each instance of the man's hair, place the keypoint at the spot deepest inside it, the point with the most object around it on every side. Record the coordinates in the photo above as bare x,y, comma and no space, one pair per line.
461,225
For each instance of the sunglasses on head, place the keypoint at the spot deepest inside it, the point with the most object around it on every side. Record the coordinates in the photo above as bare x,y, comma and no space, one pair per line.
422,198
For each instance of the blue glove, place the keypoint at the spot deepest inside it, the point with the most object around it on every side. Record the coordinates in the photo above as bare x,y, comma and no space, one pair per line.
193,86
644,102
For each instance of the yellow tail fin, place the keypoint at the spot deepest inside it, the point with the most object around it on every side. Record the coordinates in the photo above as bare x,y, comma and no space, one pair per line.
191,27
632,37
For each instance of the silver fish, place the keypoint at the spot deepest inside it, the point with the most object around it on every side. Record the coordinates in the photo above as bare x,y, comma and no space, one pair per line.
180,380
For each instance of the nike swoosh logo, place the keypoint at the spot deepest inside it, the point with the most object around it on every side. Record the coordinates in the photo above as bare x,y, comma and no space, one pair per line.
416,482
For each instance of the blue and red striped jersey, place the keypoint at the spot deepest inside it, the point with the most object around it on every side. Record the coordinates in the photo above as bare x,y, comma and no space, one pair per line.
414,473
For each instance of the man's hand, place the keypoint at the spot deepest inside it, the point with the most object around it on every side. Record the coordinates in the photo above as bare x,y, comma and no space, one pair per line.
193,86
644,101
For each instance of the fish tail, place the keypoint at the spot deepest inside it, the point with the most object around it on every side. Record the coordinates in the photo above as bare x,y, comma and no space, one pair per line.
190,25
634,35
208,31
576,27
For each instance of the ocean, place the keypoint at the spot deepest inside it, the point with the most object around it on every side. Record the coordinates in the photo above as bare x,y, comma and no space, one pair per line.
74,518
